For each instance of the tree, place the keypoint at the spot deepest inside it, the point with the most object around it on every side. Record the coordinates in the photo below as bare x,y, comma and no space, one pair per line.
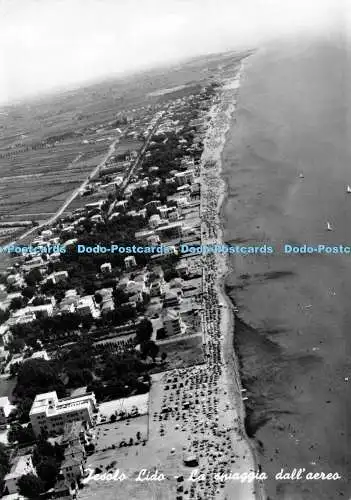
13,432
33,277
16,345
38,301
98,298
17,303
4,463
48,470
28,292
23,435
87,322
150,349
90,448
119,297
30,486
36,376
163,357
4,316
170,274
23,409
144,331
14,369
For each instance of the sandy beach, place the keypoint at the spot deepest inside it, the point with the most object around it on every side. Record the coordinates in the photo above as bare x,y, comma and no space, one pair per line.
216,302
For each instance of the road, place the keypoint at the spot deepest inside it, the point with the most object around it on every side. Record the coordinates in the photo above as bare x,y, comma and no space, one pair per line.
140,156
136,164
93,174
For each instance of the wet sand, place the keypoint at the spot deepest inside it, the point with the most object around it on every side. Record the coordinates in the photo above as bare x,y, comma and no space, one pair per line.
293,116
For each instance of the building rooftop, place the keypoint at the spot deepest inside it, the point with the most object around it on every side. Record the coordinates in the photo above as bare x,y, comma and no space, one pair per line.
141,234
170,226
72,430
170,315
5,403
22,465
171,294
51,405
40,355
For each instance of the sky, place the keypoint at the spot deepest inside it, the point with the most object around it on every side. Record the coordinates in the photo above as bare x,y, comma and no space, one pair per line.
46,45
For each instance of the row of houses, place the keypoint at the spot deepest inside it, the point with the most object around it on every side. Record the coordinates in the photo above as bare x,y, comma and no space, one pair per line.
73,441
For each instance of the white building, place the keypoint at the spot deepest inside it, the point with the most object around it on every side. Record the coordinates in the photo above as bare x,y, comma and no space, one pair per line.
42,311
69,302
170,231
22,317
182,267
95,205
163,211
155,221
15,280
57,277
72,467
18,359
170,213
142,213
134,287
114,216
185,177
47,233
22,466
50,414
3,292
30,313
129,262
173,214
5,409
144,235
54,257
172,322
172,299
106,268
107,305
152,204
5,334
40,355
86,306
97,218
157,289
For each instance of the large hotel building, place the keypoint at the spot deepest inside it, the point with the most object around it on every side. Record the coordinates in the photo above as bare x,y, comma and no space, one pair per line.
50,414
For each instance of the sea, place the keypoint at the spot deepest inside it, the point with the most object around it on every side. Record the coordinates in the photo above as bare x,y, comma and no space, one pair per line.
293,325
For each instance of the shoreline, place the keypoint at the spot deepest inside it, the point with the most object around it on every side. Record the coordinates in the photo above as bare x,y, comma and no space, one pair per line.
213,179
230,355
292,317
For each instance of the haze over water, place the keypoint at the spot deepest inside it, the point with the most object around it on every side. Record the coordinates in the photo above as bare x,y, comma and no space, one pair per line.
293,116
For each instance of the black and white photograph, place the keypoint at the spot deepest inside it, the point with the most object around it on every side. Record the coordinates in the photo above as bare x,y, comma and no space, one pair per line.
175,249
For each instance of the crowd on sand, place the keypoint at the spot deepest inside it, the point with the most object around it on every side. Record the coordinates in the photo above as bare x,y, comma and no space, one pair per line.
193,397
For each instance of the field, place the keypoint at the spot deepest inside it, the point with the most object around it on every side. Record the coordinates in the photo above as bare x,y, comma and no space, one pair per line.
112,434
183,352
49,146
126,405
